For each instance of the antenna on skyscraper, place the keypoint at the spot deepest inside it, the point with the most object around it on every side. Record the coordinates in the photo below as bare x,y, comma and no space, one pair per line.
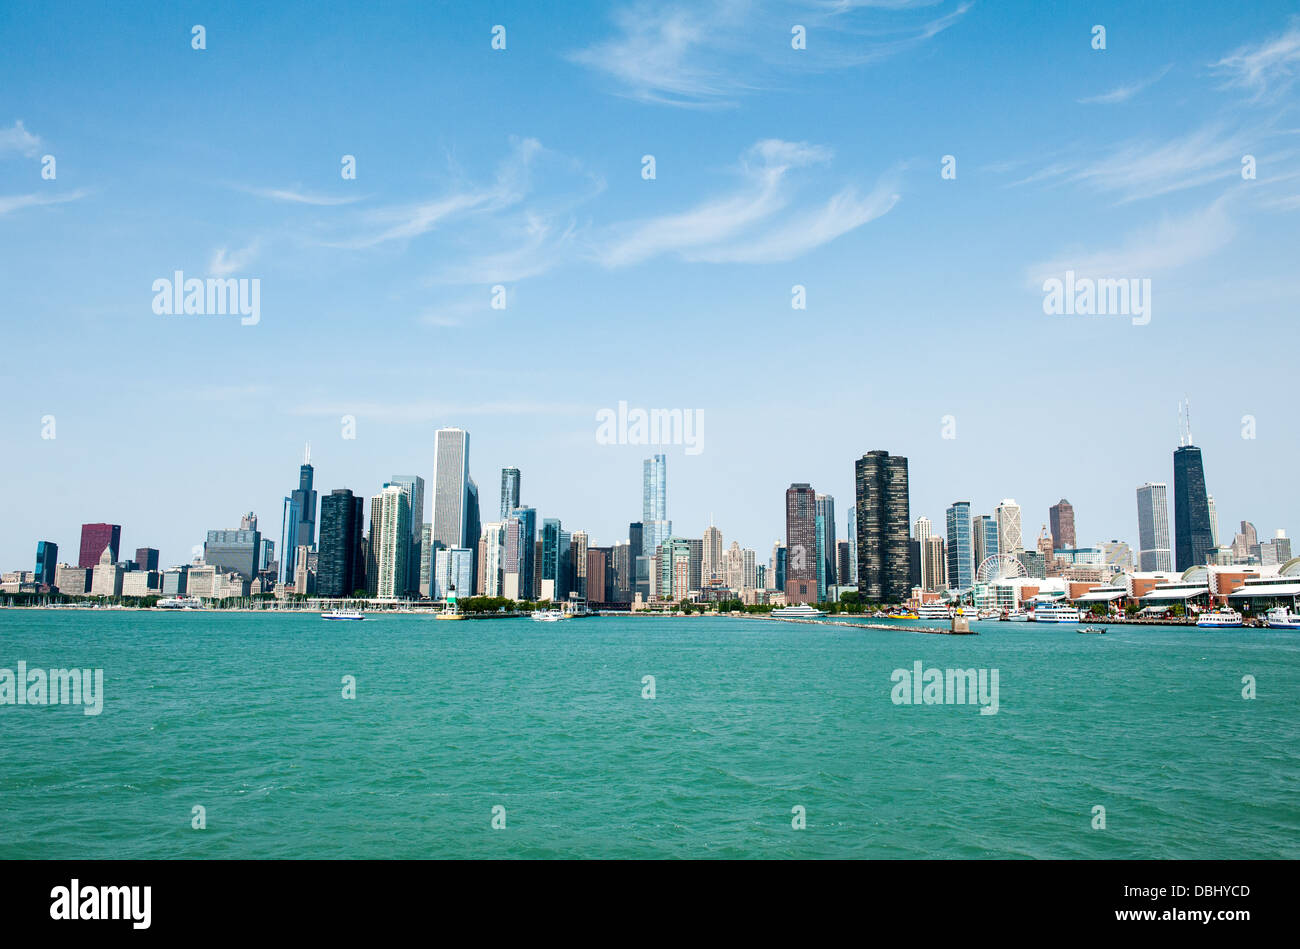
1188,416
306,458
1180,424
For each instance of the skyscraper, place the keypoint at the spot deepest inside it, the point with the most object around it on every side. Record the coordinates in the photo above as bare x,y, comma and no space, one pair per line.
146,558
96,537
339,571
826,511
1214,521
961,552
934,567
1010,536
414,485
1061,518
234,551
984,539
47,563
298,522
852,576
655,525
518,568
801,543
1153,527
390,515
579,543
451,488
509,491
494,552
1192,537
711,566
884,528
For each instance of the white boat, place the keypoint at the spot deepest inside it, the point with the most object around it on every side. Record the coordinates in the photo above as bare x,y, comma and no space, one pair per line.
802,611
1016,616
1219,618
933,611
1282,618
343,614
547,616
1055,613
180,603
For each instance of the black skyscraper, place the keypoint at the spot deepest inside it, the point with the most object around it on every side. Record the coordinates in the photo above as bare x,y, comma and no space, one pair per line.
340,566
1192,538
884,538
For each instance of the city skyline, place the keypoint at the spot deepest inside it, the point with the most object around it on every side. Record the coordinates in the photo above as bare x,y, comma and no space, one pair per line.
532,180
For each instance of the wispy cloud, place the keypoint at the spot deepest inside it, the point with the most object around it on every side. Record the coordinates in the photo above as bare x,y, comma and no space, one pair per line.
18,140
1169,244
15,202
298,196
412,412
708,54
1123,93
738,227
225,262
1265,68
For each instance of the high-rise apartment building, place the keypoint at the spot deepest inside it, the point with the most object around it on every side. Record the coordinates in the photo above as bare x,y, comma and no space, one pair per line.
1010,535
711,568
801,543
518,569
960,547
414,485
1153,528
884,527
340,568
984,538
390,516
826,513
509,491
1060,517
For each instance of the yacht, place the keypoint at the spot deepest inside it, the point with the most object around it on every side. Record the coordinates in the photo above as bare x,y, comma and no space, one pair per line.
1055,613
802,611
1218,618
933,611
1282,618
343,614
547,616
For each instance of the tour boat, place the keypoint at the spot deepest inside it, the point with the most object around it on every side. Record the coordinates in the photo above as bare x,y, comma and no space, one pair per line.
180,603
547,616
901,614
1282,618
343,614
1219,618
1055,613
802,611
933,611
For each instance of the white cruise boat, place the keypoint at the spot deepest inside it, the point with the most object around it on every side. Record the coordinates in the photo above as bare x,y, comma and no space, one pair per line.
1016,616
1282,618
933,611
343,614
1055,613
802,611
1219,618
180,603
547,616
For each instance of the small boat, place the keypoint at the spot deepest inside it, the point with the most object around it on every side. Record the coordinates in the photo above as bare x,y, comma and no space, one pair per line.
547,616
802,611
1282,618
1219,618
1092,629
343,614
901,614
1016,616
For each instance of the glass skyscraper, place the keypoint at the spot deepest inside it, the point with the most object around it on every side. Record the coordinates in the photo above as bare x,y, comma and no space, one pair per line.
961,554
1193,539
298,523
509,491
655,526
340,567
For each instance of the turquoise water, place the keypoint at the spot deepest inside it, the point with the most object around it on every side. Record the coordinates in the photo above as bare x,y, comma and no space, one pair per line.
243,714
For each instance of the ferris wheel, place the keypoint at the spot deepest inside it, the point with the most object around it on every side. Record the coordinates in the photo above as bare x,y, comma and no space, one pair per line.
1000,567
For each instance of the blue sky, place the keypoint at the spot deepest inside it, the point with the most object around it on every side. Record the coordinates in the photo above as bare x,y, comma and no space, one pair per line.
523,167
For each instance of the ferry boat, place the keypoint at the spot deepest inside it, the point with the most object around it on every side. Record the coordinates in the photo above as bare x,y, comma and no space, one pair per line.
1282,618
1055,613
933,611
1219,618
343,614
1016,616
180,603
802,611
547,616
901,614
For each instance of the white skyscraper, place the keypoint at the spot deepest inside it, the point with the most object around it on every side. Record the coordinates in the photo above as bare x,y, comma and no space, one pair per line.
494,535
1010,537
451,488
1214,521
712,558
391,520
1154,552
923,530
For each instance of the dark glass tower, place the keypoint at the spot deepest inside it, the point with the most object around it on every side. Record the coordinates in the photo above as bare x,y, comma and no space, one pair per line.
1192,536
47,562
884,532
340,566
